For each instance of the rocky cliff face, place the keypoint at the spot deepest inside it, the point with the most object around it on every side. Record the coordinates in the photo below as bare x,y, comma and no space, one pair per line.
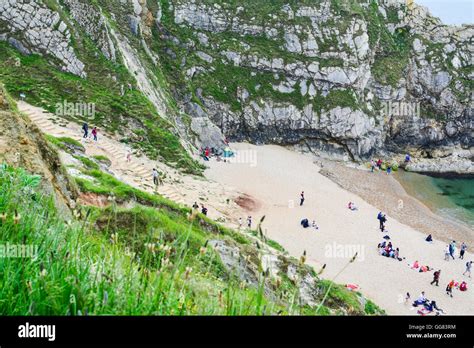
351,78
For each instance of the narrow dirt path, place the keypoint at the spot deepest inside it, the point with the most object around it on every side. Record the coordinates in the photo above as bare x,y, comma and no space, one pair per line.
183,189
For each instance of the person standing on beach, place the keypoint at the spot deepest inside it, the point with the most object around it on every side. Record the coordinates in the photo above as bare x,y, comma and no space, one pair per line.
468,268
449,288
249,221
452,248
436,277
129,156
462,250
372,166
382,220
389,169
240,223
446,253
85,129
302,198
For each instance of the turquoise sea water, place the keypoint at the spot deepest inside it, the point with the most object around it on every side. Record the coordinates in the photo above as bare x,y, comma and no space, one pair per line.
451,197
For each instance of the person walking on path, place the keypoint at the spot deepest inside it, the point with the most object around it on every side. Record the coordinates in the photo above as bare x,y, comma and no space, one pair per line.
301,198
436,277
468,268
94,133
156,176
85,129
372,166
462,250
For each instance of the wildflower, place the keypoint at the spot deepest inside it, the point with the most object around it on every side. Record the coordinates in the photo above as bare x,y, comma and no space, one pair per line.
167,250
322,269
202,250
187,272
151,247
3,217
165,262
221,298
17,218
303,258
76,214
114,238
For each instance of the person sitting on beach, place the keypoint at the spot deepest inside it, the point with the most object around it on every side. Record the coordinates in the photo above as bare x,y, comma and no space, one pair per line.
305,223
351,206
429,238
407,158
203,155
204,210
463,286
421,300
429,307
396,255
416,265
425,269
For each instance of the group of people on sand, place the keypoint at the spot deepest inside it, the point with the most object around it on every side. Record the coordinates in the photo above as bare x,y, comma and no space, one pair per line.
450,251
378,164
305,222
208,152
387,250
427,306
249,222
85,129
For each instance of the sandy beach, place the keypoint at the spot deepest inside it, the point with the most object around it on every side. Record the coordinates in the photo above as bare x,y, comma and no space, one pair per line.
274,178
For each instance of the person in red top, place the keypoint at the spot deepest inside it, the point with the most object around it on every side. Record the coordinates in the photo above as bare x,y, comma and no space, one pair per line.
463,286
207,152
94,133
436,277
379,163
